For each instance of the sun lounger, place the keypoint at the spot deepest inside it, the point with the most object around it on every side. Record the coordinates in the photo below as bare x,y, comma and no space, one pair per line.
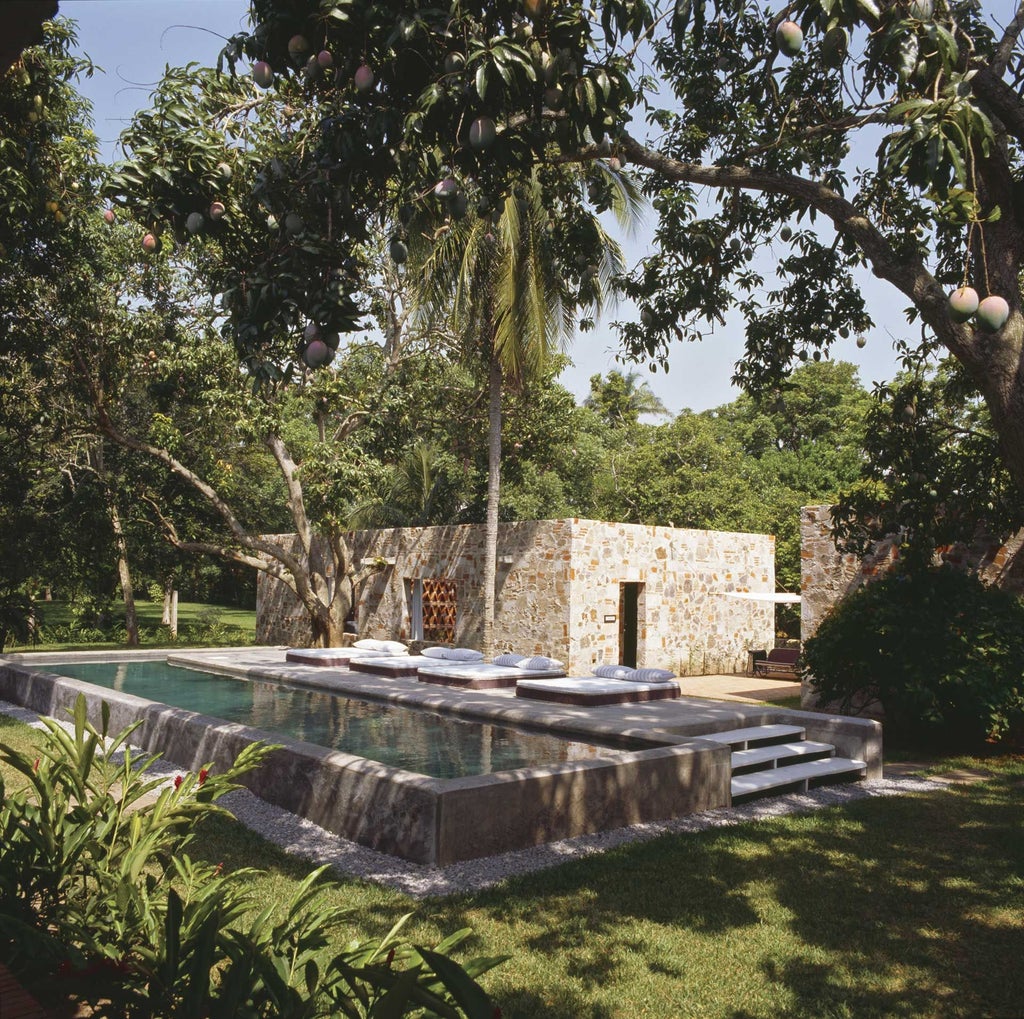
594,690
342,657
391,665
610,684
409,665
484,676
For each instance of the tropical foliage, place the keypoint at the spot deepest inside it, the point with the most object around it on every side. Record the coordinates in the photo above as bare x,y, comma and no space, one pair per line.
939,651
101,903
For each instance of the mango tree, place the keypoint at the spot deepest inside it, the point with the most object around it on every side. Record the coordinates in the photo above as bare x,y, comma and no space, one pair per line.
839,136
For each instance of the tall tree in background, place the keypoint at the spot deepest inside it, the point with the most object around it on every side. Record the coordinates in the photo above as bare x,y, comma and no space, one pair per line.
499,276
754,154
622,399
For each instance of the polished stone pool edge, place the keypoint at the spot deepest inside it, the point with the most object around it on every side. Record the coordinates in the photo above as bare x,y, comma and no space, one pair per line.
437,822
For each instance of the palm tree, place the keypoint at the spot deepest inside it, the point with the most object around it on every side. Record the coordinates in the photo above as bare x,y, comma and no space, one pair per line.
511,281
419,494
623,399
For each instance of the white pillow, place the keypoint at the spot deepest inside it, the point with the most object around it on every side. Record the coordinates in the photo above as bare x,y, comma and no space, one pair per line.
538,663
652,676
435,652
463,654
509,658
614,671
393,647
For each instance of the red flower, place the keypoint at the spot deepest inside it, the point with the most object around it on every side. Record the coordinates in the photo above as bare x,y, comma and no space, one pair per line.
203,772
391,957
35,767
177,781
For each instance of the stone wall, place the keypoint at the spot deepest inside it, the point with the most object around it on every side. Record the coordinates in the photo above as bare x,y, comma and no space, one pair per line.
687,622
558,591
828,575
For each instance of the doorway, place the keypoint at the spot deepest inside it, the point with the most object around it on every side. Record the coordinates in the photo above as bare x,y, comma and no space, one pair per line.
629,622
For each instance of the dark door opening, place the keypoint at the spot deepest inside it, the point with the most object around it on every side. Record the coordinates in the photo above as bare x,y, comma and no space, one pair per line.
629,622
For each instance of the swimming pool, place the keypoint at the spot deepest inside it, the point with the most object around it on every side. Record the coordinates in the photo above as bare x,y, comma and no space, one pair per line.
424,742
656,774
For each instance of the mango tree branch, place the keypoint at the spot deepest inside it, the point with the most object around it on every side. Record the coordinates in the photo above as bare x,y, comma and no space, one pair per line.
296,503
1005,47
909,276
269,566
234,525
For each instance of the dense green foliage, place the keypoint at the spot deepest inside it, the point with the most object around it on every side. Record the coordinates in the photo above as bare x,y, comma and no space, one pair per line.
932,472
745,466
941,652
99,898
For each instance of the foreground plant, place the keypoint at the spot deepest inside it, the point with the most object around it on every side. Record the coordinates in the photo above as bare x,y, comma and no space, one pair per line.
97,891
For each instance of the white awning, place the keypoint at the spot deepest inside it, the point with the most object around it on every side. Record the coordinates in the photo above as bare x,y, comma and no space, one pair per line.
778,597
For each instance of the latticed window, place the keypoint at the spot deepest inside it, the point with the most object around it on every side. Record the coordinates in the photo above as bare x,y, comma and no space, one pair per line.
433,608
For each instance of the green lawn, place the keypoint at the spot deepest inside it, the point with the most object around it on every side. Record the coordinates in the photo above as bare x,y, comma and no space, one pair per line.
908,906
199,624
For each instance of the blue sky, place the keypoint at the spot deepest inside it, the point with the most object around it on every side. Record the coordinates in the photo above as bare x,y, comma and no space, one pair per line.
133,40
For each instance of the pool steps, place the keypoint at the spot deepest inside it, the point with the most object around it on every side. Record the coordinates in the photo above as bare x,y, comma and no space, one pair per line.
769,759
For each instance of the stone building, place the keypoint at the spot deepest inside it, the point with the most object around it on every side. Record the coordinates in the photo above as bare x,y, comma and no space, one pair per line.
582,591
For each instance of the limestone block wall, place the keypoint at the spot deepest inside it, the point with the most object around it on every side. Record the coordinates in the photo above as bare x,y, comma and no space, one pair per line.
827,575
532,581
687,622
559,588
280,617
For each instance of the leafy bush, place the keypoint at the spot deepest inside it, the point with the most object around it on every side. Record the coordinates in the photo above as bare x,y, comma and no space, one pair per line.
942,652
97,897
17,618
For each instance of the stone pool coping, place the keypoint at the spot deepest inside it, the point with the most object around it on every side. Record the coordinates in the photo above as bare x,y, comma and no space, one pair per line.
443,821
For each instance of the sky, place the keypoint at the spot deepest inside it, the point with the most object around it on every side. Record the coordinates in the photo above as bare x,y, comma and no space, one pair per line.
131,41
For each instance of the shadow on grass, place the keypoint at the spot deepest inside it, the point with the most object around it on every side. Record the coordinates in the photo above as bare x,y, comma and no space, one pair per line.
905,907
908,907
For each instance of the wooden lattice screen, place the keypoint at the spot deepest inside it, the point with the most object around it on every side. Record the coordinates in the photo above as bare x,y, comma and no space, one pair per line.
439,610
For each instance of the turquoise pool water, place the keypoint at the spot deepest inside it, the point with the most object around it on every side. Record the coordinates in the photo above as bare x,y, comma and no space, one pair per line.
431,744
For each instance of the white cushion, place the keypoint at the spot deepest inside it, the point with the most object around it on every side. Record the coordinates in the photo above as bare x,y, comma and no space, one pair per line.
463,654
508,659
391,647
538,662
614,671
435,652
652,676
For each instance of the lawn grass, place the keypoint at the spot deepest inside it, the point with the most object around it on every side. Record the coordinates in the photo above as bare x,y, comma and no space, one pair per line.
210,624
909,906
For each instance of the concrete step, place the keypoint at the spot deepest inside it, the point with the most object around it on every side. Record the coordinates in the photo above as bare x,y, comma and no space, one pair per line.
779,755
756,735
796,777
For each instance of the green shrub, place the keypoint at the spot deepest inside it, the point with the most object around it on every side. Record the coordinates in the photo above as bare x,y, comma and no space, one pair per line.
942,653
99,899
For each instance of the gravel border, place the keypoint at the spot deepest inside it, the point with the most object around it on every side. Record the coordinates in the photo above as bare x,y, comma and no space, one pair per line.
301,838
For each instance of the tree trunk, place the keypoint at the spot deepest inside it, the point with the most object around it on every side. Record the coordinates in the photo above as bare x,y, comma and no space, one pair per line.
124,573
168,590
493,499
327,614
